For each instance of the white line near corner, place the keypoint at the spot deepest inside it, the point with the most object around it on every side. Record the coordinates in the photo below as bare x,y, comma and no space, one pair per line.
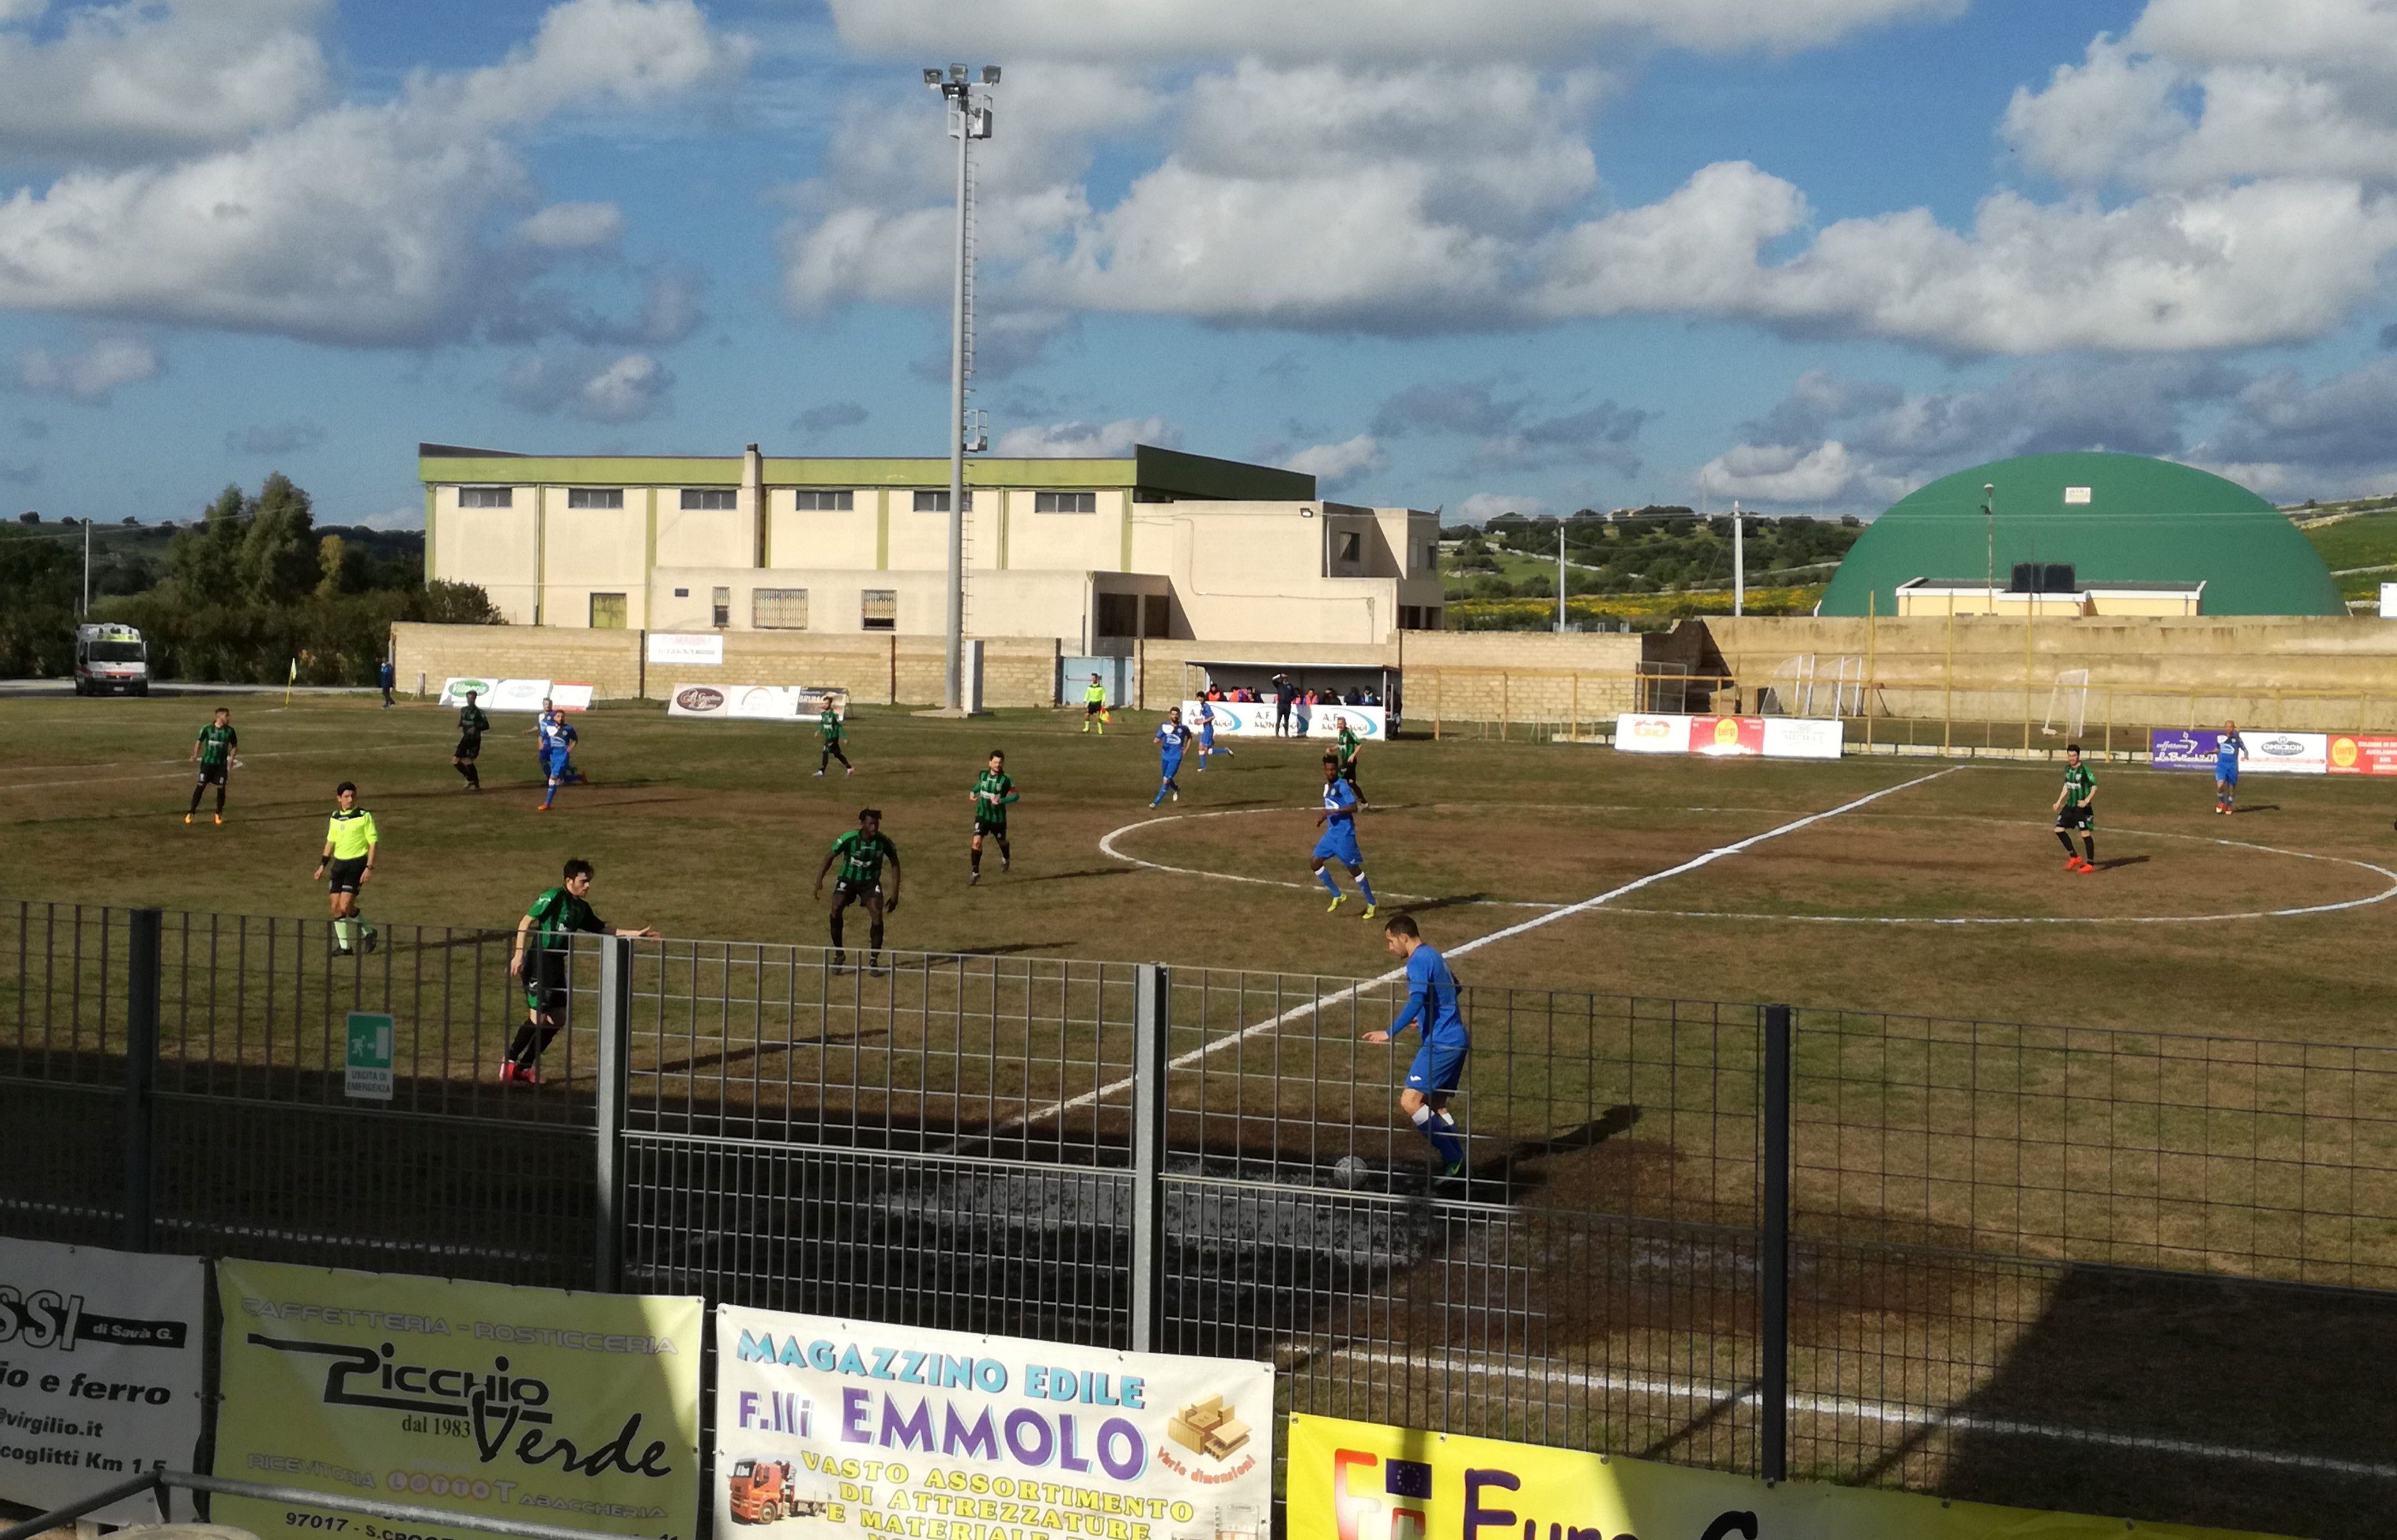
1088,1098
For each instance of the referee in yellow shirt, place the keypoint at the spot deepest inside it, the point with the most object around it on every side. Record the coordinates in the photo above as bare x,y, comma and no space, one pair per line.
348,861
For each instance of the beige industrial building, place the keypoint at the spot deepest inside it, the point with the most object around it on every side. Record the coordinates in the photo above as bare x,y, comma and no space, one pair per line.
1093,553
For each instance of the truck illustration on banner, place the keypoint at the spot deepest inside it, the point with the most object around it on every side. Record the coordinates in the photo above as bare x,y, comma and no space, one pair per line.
765,1492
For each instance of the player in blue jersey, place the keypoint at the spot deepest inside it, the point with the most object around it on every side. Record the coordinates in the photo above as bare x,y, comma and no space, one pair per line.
2226,754
1338,822
1438,1067
1207,733
1171,739
557,740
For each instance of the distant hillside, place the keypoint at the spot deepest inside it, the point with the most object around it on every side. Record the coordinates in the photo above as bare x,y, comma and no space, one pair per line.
2357,538
130,558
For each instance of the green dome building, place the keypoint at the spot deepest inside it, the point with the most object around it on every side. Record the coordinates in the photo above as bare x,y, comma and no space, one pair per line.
2139,536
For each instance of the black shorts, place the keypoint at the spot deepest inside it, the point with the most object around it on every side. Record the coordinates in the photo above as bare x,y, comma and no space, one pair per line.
2078,818
995,827
213,775
860,892
469,746
343,876
1348,772
1091,708
544,980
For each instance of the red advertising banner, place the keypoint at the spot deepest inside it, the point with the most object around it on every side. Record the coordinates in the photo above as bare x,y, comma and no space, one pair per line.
2361,754
1727,735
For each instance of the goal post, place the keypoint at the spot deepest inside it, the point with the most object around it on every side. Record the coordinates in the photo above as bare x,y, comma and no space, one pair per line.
2067,705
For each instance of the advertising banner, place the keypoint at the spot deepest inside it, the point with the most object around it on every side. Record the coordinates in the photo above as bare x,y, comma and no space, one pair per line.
1255,719
516,694
2182,749
1804,738
1364,1482
99,1372
453,693
873,1430
531,1404
666,647
1727,735
567,697
756,702
2286,753
1645,734
2362,753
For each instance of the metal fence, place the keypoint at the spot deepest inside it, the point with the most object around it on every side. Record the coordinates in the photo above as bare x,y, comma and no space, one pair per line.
1946,1254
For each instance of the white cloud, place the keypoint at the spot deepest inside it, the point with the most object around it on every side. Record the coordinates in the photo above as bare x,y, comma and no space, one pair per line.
92,375
1353,29
1824,476
1482,507
572,227
1088,440
124,82
1334,466
407,515
593,384
356,224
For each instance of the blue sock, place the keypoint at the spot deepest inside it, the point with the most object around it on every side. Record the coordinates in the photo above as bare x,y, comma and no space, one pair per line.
1159,797
545,801
1366,888
1323,875
1442,1134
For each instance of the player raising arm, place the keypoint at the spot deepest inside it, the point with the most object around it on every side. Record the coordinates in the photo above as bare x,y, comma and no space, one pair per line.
540,959
1438,1066
860,853
2076,809
993,790
2228,751
212,751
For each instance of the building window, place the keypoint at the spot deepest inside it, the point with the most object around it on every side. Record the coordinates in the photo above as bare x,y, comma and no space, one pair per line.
1064,502
1118,615
938,503
1352,545
827,502
608,612
709,500
778,608
721,602
1156,616
595,497
1412,617
486,497
880,609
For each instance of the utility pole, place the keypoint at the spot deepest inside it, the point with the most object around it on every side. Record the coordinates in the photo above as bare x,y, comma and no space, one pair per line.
1560,577
966,123
1738,561
87,569
1989,516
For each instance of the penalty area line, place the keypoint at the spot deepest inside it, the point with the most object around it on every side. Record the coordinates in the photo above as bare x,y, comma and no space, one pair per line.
1298,1012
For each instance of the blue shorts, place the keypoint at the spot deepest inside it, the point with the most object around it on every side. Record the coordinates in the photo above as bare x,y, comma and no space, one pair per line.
1169,768
1438,1069
1339,843
2226,772
553,763
1206,736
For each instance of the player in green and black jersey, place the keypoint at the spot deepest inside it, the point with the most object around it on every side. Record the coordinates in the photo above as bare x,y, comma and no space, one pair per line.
543,936
829,732
2076,809
471,725
1350,746
351,840
212,750
860,853
993,790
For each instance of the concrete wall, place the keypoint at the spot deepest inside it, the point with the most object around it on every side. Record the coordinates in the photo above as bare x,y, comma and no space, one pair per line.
874,669
2321,674
1448,676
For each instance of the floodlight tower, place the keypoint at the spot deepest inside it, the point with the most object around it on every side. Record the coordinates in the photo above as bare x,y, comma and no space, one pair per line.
1989,519
968,122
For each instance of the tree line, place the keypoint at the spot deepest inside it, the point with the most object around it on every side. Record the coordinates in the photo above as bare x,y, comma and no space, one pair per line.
250,586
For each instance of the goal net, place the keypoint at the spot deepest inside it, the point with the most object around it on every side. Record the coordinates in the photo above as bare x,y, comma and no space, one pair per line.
2067,705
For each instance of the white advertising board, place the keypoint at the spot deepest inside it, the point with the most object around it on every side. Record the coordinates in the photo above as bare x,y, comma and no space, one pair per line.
513,694
667,646
2389,601
1804,738
756,702
102,1377
1255,719
1637,732
869,1430
2288,753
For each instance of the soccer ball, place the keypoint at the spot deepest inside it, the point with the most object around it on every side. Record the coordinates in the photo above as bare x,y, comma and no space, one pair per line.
1350,1172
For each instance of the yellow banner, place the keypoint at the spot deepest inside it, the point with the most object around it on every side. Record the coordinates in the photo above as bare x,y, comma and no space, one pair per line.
531,1404
1364,1482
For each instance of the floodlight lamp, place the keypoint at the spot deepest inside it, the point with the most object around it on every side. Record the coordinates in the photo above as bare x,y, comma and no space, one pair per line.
1306,513
932,78
990,75
958,73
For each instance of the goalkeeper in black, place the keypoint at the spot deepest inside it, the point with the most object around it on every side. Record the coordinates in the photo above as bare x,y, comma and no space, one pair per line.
471,725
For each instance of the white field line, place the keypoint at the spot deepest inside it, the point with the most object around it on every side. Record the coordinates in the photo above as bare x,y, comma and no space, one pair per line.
1886,1413
1107,847
188,769
1720,852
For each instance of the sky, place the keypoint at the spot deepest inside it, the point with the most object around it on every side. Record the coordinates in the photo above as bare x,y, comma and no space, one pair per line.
1534,256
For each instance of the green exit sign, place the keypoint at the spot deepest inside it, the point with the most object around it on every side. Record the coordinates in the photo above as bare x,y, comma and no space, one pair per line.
367,1070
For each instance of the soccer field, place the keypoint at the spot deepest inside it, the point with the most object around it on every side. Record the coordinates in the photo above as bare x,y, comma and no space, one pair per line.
1899,885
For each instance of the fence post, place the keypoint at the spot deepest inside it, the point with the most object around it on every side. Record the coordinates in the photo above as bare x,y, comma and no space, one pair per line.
1773,1262
141,971
615,1037
1150,1014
